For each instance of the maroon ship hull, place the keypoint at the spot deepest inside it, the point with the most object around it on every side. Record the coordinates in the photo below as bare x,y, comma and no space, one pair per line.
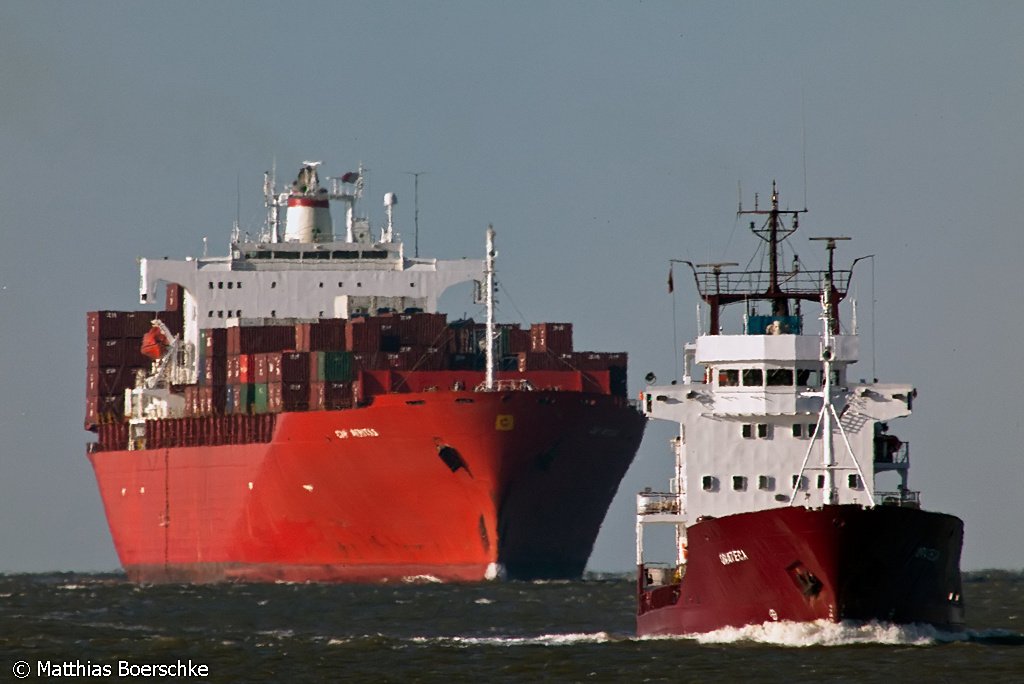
445,484
840,562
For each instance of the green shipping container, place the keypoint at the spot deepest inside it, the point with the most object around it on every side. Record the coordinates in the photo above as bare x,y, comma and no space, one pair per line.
259,400
337,366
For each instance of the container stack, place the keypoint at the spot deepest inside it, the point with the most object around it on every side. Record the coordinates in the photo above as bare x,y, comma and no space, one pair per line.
113,357
267,367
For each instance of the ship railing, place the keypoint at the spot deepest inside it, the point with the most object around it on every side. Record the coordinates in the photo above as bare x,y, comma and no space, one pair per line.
890,450
660,574
794,283
653,503
901,497
509,385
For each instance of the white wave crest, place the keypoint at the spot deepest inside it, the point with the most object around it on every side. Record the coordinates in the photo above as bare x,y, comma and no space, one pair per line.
541,640
421,579
827,633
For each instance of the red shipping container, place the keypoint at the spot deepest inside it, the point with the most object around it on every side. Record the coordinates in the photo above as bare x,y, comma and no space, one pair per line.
362,335
213,370
257,339
295,396
327,335
115,352
214,342
174,321
316,396
518,340
246,368
173,297
273,367
555,337
539,361
275,397
108,380
103,409
240,368
210,400
337,395
259,368
104,325
138,323
295,366
231,376
302,336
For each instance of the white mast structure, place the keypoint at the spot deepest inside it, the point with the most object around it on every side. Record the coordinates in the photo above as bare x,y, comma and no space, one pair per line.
489,299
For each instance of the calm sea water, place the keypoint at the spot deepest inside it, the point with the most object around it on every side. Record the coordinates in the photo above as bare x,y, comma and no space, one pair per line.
407,632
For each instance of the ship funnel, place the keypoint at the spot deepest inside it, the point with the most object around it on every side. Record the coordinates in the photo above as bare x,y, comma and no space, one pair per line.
309,214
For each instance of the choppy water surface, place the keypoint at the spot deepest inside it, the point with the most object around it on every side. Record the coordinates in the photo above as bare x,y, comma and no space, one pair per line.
554,631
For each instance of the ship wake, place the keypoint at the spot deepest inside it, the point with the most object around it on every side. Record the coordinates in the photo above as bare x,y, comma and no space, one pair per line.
827,633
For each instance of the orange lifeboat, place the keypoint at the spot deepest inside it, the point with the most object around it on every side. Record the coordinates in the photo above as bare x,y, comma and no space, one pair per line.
154,343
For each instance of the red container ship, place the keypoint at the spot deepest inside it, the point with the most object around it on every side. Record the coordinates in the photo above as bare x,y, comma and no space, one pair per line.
299,411
775,501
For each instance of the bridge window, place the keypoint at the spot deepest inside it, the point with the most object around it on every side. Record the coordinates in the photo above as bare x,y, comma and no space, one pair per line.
780,377
800,482
804,431
821,482
753,377
766,483
853,480
806,377
708,483
230,284
763,431
728,377
739,483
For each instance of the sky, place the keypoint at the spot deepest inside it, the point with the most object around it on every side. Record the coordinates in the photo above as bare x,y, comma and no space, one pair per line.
599,138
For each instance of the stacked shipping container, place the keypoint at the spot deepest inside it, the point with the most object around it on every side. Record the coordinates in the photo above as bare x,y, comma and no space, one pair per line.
260,370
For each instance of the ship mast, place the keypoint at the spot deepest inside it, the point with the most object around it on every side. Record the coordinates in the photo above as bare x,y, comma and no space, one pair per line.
489,299
774,231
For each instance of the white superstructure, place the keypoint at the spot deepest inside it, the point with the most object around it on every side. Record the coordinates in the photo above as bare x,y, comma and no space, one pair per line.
305,271
754,432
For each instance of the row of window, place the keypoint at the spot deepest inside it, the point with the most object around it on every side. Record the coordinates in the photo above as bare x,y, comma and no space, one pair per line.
237,285
318,255
771,377
766,431
709,483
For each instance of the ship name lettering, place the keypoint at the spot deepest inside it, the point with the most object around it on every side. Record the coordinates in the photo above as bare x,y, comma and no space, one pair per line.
927,554
356,432
734,556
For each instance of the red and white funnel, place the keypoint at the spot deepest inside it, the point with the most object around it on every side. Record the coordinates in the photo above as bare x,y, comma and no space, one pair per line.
309,215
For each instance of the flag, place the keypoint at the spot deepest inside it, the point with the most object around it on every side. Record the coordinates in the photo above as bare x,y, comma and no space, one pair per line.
350,177
671,287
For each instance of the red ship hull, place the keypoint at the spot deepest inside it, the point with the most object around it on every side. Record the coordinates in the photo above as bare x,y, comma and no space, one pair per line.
886,563
445,484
